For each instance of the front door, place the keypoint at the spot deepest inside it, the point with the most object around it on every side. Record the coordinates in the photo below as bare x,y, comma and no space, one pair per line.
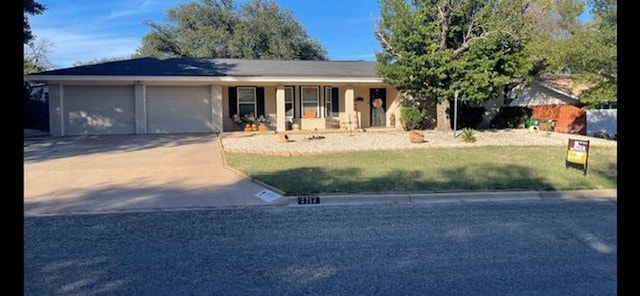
378,100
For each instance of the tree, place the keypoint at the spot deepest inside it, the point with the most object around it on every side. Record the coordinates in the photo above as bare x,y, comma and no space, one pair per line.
431,48
556,21
591,55
31,7
36,56
99,61
214,29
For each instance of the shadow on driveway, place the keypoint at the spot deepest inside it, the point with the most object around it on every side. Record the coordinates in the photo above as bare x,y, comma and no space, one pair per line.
47,148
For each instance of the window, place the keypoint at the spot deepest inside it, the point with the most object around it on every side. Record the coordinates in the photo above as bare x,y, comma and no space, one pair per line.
246,101
607,105
288,101
310,101
328,99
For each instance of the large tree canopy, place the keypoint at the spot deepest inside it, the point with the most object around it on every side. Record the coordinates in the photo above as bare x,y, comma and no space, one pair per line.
31,7
431,48
214,29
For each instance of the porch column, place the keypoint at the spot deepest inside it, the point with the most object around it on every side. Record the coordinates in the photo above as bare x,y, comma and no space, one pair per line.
280,109
140,108
216,108
348,103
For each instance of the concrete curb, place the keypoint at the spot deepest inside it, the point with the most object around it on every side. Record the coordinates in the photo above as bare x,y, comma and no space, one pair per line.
599,194
608,194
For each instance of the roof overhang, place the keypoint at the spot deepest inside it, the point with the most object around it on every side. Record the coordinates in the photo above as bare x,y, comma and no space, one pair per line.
201,79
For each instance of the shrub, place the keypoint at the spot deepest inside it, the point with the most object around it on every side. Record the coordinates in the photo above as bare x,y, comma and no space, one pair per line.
468,135
413,118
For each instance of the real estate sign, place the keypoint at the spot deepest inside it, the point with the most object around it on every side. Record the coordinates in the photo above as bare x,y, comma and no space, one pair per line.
577,154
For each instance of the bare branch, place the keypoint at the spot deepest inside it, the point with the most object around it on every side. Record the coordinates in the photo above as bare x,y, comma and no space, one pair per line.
472,24
387,45
458,51
443,13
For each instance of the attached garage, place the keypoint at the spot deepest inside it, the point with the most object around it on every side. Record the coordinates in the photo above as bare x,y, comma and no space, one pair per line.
91,110
179,109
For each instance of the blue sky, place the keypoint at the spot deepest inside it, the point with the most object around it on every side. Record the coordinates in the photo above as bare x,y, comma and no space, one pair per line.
86,30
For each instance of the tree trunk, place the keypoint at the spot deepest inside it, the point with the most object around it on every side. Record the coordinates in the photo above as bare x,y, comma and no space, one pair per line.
442,109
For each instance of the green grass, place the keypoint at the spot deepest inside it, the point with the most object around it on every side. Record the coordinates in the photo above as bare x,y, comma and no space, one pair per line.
434,169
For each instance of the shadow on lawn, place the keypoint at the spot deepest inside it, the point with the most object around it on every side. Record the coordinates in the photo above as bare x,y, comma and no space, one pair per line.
308,180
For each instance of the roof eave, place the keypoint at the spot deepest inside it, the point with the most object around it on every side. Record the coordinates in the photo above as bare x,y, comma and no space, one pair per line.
213,79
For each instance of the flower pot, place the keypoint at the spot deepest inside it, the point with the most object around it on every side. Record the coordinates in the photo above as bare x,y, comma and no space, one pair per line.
416,136
262,128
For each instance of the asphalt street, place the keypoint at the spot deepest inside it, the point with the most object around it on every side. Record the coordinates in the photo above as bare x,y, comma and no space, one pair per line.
533,247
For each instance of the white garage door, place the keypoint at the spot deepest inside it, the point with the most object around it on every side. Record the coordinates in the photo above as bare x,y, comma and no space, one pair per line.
95,110
179,109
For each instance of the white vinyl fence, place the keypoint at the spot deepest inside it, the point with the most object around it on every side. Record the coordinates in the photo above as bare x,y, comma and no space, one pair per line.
603,121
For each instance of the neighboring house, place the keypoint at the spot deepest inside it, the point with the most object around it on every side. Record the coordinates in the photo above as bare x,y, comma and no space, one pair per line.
561,90
187,95
554,97
548,90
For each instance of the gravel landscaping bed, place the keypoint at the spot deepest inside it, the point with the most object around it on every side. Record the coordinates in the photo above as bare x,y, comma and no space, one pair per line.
324,142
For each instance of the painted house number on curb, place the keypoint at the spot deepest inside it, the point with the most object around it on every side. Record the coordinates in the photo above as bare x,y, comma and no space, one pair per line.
308,200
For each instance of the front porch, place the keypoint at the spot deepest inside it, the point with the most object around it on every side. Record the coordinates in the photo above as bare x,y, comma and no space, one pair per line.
312,107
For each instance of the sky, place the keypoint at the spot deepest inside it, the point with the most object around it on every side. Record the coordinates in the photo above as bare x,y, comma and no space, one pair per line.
81,31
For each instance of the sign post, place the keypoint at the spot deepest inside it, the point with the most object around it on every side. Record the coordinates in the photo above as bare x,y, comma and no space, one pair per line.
455,113
577,154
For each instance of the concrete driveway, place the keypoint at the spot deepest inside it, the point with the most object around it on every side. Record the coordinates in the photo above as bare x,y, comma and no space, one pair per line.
131,172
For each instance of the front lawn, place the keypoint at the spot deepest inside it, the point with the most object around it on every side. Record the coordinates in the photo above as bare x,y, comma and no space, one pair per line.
433,169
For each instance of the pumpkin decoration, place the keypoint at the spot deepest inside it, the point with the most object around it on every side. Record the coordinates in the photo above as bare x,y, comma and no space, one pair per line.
310,114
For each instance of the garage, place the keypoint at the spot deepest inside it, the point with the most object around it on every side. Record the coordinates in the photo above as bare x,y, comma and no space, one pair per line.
96,110
179,109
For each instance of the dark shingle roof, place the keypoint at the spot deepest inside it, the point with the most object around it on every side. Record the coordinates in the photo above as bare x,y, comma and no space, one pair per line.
222,67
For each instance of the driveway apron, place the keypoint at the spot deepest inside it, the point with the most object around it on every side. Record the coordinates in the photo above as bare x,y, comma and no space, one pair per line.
131,172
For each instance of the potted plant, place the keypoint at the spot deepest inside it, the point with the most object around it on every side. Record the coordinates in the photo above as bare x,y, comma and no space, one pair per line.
334,123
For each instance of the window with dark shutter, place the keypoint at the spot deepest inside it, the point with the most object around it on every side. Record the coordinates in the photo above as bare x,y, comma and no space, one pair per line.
233,101
260,102
334,101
